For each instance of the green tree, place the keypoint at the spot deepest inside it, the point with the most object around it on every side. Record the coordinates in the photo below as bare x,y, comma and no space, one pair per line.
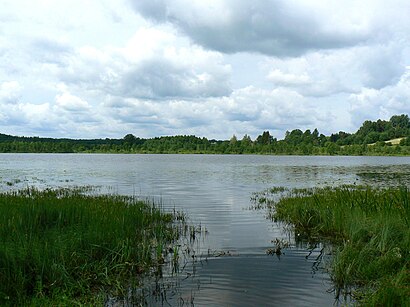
246,140
233,140
130,139
264,139
295,137
371,137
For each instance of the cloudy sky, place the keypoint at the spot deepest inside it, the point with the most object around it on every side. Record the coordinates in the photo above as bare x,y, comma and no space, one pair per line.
100,68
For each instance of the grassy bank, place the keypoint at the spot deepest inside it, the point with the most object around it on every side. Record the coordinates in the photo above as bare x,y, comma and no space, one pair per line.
64,248
371,231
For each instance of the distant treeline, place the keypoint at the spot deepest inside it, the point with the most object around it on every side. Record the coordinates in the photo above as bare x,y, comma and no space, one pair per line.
370,139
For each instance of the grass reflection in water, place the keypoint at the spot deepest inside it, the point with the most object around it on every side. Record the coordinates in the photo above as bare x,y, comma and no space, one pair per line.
369,229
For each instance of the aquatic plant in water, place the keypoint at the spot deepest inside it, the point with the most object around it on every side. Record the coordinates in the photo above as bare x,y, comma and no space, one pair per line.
371,233
63,246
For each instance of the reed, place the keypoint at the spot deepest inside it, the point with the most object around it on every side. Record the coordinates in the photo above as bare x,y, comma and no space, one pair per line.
67,247
370,229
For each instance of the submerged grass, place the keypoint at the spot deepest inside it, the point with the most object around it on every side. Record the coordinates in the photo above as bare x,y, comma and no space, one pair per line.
372,234
64,247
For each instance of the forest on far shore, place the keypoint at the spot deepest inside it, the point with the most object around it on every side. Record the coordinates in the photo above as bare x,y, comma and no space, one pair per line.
379,137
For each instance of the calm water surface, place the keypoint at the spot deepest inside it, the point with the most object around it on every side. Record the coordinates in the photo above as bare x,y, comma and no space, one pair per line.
215,192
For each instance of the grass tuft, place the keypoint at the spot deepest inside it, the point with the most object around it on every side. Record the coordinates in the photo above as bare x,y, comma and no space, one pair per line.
66,247
370,229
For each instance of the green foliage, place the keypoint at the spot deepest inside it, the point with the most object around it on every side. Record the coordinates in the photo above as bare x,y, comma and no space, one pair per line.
296,142
264,139
64,246
371,229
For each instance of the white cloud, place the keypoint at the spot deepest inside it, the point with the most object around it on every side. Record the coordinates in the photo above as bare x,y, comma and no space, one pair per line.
71,103
9,92
155,63
211,68
342,71
384,103
246,111
281,78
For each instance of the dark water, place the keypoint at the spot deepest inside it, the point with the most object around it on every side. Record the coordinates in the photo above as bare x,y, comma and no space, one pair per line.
231,267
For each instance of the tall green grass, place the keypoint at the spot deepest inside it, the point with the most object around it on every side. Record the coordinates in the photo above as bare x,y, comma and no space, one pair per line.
371,231
66,247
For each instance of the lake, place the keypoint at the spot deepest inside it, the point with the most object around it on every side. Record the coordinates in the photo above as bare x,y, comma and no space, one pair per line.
232,267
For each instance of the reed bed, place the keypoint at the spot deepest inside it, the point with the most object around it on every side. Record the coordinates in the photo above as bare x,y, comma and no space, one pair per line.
62,247
371,233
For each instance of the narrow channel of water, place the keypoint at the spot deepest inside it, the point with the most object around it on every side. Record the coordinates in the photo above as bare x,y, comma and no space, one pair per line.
231,267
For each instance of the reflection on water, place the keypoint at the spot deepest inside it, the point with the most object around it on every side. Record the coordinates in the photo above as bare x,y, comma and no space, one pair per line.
385,175
215,192
242,278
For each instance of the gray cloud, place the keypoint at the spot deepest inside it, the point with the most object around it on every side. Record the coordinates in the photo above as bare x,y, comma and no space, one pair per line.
343,71
46,50
273,27
383,65
162,71
154,9
383,103
159,78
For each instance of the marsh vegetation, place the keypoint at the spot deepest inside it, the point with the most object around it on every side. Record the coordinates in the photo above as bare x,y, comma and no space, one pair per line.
370,232
66,247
